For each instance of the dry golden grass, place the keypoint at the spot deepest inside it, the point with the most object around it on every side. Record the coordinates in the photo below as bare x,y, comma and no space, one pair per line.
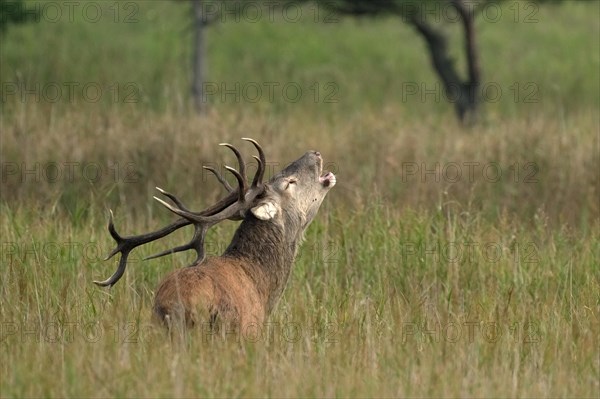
521,166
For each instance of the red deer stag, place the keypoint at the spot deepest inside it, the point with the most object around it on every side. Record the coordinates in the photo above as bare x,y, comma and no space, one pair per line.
242,286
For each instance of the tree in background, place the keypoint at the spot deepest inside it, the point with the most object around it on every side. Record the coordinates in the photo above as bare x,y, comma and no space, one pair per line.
15,12
206,12
201,21
464,92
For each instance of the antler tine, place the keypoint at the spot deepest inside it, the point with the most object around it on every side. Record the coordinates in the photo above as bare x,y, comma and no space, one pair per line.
224,182
257,181
241,166
209,220
196,243
114,234
109,282
241,183
172,197
262,164
126,244
188,215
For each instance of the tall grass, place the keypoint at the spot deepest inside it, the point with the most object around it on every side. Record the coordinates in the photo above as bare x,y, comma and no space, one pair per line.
381,302
447,261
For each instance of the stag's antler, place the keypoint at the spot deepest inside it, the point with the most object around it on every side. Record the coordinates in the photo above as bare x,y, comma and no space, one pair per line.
232,207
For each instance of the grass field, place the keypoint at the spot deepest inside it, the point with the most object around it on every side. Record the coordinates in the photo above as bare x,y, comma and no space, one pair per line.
447,262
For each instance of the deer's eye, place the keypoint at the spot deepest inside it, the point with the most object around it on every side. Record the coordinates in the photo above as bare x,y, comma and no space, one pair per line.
290,182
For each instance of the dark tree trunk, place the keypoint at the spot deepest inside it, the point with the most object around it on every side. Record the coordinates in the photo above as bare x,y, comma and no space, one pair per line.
472,55
198,56
463,93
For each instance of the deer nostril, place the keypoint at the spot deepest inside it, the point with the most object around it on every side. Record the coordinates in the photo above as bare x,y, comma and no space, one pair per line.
317,153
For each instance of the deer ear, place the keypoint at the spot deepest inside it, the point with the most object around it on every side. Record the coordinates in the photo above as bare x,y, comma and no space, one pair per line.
265,211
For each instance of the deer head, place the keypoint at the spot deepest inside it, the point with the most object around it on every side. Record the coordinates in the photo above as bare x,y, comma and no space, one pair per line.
293,196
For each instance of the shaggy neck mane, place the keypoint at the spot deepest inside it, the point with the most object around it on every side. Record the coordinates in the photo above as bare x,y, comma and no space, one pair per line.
269,250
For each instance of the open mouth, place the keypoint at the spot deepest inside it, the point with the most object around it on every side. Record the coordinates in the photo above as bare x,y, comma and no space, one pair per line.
327,180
